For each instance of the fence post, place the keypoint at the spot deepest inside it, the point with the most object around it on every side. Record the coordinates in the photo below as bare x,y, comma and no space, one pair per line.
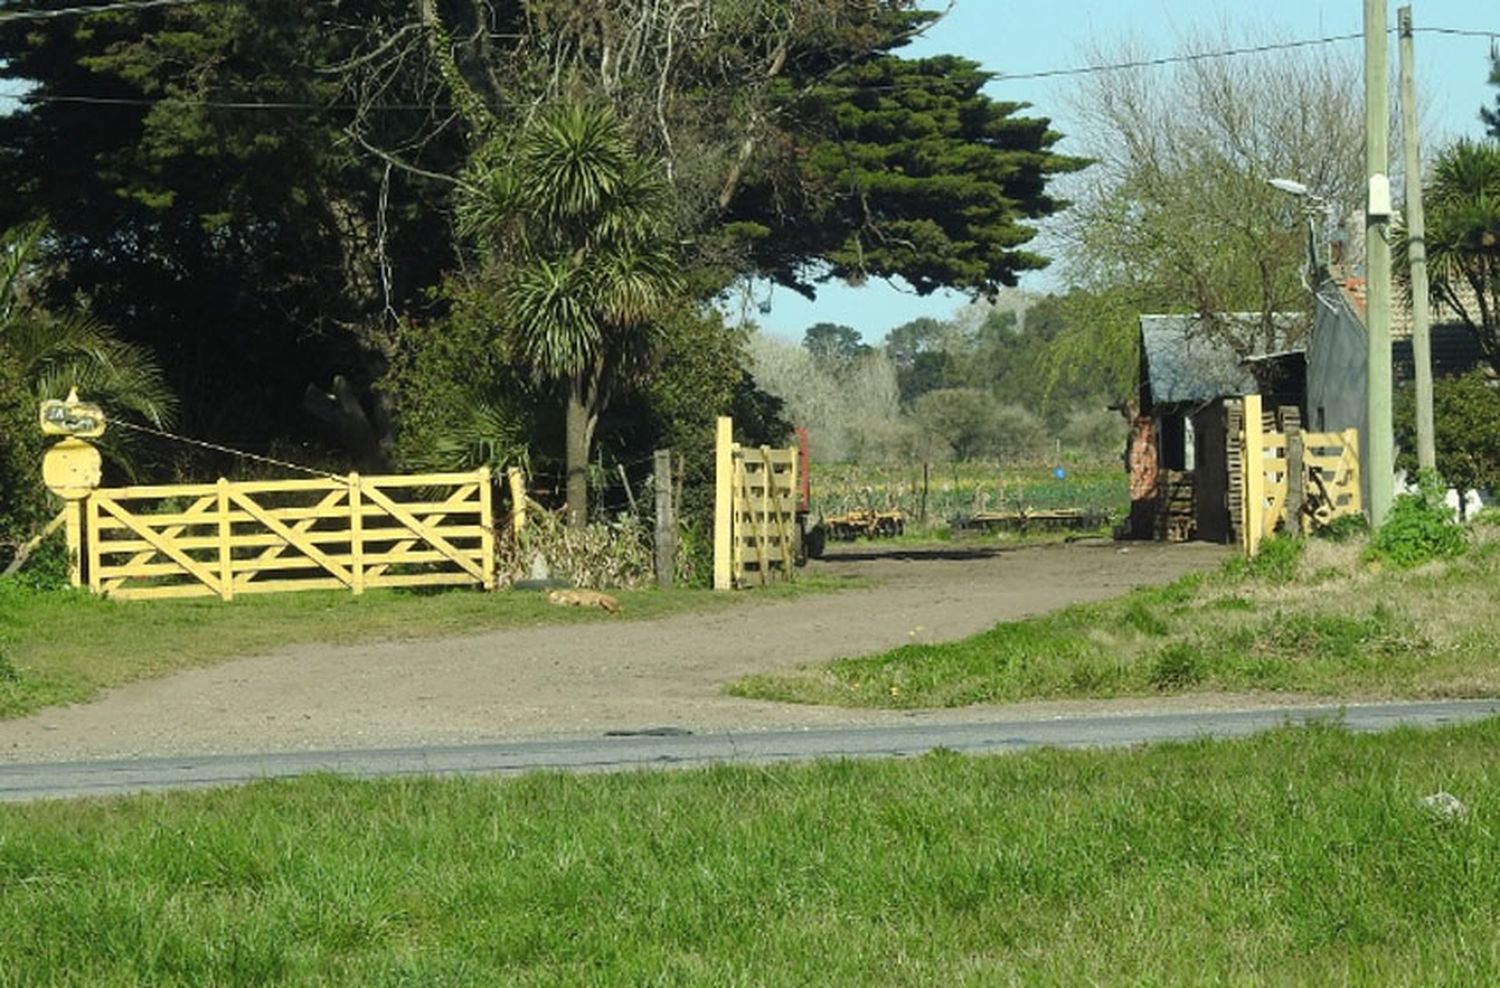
74,525
226,555
517,500
357,532
1255,476
723,503
1296,479
666,518
487,525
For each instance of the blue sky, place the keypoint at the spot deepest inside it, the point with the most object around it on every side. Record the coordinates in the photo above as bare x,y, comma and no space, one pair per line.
1023,37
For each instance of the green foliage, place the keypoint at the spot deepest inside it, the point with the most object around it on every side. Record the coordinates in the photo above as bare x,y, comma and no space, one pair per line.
243,248
1345,528
1175,667
1277,561
1419,528
1491,117
1466,424
905,168
1462,199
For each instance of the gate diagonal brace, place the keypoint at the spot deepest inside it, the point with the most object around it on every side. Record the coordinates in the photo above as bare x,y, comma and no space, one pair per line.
292,538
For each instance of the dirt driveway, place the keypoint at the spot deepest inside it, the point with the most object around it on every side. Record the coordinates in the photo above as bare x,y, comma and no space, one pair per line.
588,679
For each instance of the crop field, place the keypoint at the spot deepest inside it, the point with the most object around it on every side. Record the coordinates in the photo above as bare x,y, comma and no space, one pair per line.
964,489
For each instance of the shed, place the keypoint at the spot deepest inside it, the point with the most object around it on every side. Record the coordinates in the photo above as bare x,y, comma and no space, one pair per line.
1190,383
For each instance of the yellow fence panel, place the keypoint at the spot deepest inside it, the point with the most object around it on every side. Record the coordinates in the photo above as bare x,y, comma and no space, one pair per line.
1329,471
232,538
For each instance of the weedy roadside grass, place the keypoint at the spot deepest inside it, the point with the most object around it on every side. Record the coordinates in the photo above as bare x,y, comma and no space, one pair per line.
1302,856
60,646
1322,621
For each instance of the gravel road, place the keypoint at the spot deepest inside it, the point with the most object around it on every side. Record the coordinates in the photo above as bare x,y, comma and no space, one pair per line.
555,682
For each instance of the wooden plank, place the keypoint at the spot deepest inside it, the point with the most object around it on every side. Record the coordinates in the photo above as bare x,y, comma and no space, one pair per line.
356,534
164,546
280,586
175,590
724,567
429,534
434,520
326,508
487,523
294,539
423,580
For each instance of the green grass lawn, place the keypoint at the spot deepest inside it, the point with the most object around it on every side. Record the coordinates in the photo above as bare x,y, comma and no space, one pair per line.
65,646
1328,625
1303,856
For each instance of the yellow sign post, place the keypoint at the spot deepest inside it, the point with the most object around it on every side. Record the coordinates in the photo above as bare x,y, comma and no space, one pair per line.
72,468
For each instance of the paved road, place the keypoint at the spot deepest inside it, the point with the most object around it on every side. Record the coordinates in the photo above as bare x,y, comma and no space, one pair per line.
674,748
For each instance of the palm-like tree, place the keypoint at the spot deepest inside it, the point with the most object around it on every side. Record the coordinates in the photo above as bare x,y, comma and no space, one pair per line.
57,352
1462,202
573,221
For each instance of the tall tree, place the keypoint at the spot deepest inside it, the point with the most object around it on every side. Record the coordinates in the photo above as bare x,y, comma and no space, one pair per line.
1178,208
572,223
252,247
1463,236
834,346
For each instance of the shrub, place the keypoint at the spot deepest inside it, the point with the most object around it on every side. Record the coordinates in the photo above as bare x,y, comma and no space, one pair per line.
1420,528
1345,528
1276,562
602,555
1176,667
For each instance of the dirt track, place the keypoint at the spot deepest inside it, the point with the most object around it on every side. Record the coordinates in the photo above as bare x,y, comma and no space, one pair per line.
587,679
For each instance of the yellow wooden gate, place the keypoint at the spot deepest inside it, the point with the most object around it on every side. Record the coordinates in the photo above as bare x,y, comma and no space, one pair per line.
1282,494
231,538
755,522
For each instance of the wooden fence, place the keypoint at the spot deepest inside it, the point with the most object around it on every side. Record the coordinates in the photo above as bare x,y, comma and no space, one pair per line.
227,539
1304,479
756,534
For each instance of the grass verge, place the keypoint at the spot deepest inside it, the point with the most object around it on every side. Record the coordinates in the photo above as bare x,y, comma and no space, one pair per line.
66,646
1324,622
1303,856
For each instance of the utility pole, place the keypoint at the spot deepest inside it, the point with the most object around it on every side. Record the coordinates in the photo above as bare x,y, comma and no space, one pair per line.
1416,248
1380,441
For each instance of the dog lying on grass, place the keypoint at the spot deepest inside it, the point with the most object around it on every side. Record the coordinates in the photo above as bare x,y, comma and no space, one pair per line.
584,598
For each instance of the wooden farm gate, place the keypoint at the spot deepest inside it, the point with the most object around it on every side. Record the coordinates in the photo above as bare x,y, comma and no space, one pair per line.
1305,478
231,538
755,513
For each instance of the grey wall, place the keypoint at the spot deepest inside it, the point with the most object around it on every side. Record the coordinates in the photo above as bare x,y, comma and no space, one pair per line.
1336,356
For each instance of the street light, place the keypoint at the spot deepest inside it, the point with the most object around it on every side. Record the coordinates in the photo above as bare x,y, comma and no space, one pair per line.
1314,205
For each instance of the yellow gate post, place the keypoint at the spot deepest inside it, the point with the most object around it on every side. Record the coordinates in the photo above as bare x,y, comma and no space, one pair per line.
72,468
723,503
1255,477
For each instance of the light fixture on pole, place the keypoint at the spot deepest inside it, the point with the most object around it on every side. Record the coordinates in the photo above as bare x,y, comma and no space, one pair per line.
1314,205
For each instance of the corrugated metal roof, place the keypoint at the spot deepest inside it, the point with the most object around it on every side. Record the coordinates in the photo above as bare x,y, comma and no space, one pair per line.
1185,363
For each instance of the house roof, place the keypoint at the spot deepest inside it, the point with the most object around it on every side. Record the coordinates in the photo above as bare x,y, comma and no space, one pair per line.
1455,350
1455,347
1181,362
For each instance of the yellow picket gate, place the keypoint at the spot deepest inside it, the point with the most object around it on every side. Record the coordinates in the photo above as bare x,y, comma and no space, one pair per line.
231,538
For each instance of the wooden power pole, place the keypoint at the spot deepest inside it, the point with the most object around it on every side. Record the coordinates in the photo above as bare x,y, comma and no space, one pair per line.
1416,248
1380,439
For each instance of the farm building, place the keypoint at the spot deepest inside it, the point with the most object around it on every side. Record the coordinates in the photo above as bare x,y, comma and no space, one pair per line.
1184,455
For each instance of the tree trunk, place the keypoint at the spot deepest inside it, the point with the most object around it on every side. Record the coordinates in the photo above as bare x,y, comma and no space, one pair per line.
577,456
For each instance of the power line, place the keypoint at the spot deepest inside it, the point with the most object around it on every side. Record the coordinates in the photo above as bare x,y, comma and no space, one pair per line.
420,107
120,5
